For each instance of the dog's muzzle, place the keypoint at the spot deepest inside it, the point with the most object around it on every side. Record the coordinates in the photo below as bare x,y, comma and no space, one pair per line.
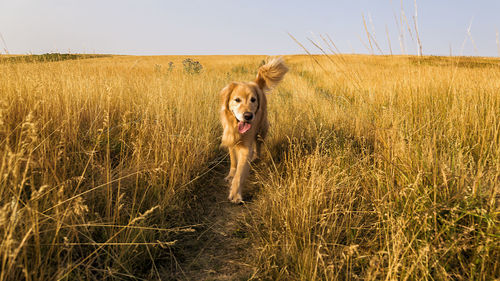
248,116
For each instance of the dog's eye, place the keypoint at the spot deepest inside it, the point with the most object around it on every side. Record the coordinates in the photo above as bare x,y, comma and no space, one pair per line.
252,99
237,99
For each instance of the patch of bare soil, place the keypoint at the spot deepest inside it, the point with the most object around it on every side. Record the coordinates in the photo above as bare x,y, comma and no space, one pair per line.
220,246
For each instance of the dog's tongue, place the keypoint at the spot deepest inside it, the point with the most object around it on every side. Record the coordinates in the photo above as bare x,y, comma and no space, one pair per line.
243,127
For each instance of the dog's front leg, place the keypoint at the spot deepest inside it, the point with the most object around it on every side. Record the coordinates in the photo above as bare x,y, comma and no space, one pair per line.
243,156
232,170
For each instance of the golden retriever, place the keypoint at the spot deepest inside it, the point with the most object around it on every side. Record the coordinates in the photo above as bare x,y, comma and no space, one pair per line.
244,119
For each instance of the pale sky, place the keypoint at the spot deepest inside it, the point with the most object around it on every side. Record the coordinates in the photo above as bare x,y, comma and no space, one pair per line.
193,27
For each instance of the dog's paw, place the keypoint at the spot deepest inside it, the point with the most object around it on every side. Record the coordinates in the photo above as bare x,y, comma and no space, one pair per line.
229,178
235,198
255,158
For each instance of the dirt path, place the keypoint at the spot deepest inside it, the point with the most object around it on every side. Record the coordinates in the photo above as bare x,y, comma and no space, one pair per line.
218,248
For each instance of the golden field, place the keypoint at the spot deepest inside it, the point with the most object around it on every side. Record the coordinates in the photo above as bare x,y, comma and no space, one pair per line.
376,167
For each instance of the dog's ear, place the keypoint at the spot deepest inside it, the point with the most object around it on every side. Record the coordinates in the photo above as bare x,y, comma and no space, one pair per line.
271,73
228,123
225,94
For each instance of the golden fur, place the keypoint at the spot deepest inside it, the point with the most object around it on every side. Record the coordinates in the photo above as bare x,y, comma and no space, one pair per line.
243,136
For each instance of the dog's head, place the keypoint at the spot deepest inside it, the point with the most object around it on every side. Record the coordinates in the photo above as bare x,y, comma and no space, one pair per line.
242,101
243,104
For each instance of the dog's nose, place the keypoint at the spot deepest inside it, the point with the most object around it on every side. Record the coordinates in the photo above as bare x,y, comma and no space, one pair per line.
248,116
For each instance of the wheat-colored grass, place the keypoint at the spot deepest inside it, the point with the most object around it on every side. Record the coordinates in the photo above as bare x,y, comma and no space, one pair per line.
388,169
376,167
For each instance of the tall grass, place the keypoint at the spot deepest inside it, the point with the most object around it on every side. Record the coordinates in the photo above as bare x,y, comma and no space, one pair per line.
386,168
376,167
95,158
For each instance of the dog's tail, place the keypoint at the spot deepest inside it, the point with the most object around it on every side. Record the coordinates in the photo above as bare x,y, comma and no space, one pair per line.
271,73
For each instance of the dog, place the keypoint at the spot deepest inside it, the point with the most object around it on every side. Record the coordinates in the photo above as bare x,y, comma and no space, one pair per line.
243,116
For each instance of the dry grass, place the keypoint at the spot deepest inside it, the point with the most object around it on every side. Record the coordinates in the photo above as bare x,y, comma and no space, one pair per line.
377,167
387,168
96,153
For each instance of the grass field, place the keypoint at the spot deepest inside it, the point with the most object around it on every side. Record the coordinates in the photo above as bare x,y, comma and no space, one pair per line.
376,167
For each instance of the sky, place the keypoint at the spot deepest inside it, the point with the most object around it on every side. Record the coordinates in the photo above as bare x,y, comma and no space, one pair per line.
195,27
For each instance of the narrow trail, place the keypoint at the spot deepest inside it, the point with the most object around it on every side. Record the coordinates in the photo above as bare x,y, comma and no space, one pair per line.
218,249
